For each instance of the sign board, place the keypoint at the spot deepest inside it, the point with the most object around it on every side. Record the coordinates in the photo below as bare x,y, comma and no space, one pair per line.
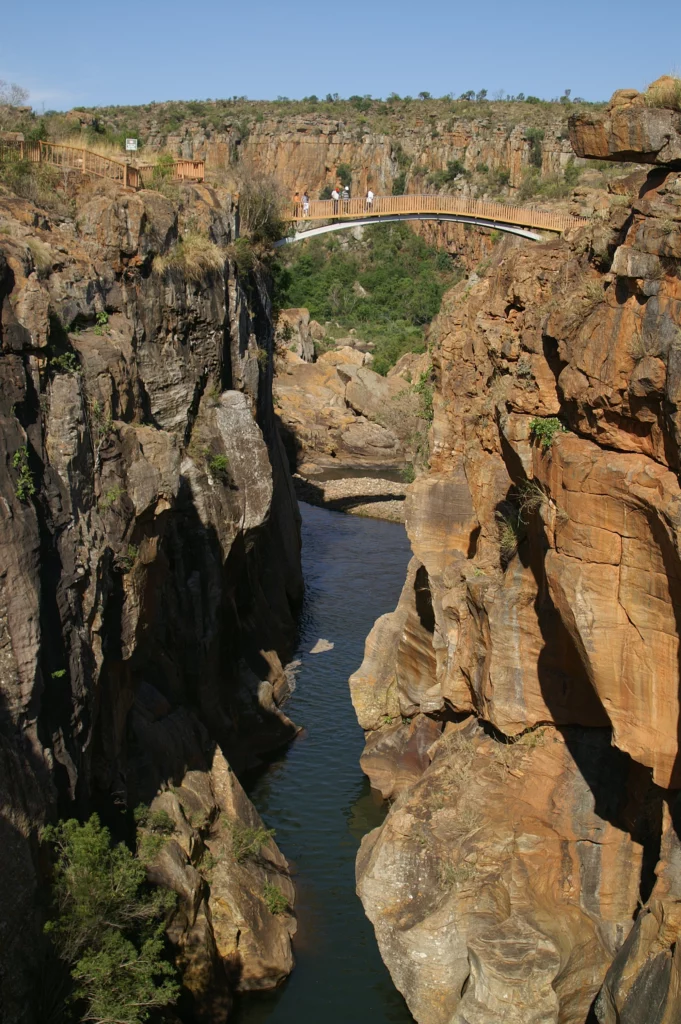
130,144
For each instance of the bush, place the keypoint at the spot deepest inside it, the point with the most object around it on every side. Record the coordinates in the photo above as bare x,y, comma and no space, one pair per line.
424,389
66,363
260,208
399,184
38,183
275,901
535,137
108,925
195,256
344,174
25,487
545,430
218,466
247,841
455,169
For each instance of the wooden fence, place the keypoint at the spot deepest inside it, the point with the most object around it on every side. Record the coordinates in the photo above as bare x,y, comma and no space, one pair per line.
358,209
74,158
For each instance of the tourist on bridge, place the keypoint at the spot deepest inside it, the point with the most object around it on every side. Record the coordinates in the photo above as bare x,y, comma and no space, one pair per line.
306,204
296,205
370,200
346,198
335,195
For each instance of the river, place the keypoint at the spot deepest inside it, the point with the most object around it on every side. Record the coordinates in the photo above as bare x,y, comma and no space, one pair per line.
315,795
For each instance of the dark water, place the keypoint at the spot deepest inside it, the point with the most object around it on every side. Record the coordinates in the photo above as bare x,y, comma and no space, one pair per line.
316,797
346,472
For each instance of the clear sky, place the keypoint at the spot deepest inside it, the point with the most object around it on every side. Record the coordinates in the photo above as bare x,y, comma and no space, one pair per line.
88,52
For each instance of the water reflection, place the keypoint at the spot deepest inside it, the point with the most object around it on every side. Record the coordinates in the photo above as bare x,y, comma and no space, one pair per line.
315,795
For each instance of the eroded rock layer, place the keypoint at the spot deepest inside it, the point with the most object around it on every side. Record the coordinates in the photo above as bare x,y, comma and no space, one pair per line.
150,566
522,703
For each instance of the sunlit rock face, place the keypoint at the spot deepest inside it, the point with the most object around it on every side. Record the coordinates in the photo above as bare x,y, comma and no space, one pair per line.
150,562
521,705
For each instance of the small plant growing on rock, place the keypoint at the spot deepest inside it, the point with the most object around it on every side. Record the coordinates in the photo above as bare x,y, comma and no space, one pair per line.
103,424
127,561
218,466
25,487
263,358
545,429
101,322
408,473
66,363
110,497
248,841
58,673
531,498
275,900
424,389
510,533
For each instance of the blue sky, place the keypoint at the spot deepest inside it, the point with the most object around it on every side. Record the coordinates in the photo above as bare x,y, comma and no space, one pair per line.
89,53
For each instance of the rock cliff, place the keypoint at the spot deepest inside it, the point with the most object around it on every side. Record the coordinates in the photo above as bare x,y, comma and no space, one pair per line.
522,704
150,567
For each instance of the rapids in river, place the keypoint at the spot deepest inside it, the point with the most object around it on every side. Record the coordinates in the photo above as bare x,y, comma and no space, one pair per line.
315,794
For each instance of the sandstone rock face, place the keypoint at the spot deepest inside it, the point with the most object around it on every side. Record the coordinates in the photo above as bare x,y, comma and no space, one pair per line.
150,568
629,130
303,151
338,410
522,703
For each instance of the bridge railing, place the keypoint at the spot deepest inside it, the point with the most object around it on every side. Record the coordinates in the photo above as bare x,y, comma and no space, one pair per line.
359,208
88,162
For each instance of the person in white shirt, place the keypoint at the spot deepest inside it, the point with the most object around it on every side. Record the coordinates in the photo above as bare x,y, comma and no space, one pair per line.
370,200
306,204
335,195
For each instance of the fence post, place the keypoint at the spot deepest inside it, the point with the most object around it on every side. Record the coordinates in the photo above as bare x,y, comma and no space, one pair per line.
125,175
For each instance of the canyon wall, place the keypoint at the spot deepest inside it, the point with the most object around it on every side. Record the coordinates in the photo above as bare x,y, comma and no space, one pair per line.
521,705
150,570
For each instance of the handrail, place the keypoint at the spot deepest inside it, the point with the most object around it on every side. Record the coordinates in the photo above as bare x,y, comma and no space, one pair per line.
86,161
524,216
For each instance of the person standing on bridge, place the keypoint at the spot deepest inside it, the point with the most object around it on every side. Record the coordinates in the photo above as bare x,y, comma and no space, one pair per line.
335,195
306,204
346,198
296,205
370,200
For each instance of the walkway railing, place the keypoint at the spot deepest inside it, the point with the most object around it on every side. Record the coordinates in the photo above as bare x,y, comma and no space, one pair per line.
86,161
523,216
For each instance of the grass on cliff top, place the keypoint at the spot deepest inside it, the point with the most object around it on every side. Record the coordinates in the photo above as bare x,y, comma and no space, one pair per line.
238,115
388,286
195,256
665,92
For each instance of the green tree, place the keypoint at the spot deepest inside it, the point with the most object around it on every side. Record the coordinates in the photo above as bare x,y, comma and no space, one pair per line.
108,925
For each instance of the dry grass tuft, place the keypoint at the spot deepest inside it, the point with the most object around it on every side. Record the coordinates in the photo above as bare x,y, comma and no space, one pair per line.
195,256
42,257
665,92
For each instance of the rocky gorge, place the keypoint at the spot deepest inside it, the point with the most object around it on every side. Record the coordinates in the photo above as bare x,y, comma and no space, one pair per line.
521,705
150,575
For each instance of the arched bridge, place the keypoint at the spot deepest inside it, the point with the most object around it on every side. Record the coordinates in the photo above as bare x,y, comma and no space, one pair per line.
347,213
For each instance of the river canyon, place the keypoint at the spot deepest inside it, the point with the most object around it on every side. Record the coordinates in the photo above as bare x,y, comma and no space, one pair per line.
170,661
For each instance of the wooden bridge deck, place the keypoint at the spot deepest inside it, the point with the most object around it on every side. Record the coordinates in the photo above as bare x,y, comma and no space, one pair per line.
75,158
521,216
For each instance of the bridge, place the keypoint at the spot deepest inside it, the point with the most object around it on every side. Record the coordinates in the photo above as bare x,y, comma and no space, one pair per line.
75,158
347,213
